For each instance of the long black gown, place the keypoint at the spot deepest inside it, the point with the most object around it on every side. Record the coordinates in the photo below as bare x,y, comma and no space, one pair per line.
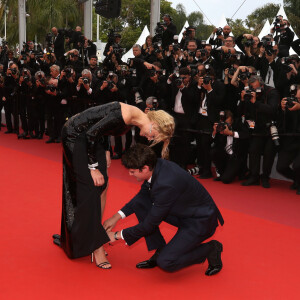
85,140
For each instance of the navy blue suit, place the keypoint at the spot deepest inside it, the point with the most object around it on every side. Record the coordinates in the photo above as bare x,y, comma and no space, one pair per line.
175,197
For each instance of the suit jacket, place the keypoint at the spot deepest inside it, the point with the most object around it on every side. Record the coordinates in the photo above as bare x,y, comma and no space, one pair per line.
59,46
175,194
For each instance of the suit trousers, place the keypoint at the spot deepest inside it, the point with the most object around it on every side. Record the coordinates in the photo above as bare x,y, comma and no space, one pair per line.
185,248
290,154
228,166
261,145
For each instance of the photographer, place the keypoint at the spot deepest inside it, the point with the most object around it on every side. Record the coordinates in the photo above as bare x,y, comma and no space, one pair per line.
259,105
156,85
169,30
38,97
283,35
210,97
25,103
182,104
189,35
267,62
58,45
113,43
108,90
93,66
112,62
48,60
289,74
89,49
290,145
146,47
73,60
229,153
226,56
85,89
250,47
69,95
10,98
54,112
221,35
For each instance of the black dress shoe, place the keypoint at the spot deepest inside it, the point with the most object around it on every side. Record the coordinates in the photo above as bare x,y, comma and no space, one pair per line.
56,236
116,156
23,135
146,264
40,136
217,179
50,141
56,242
265,183
8,131
150,263
251,181
58,140
214,258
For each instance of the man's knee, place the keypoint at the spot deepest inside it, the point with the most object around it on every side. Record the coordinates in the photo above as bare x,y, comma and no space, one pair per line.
166,264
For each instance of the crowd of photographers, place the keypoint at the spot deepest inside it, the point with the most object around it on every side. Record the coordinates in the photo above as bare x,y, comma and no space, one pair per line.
231,107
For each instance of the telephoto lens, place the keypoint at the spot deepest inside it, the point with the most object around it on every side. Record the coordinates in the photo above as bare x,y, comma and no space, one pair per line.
194,171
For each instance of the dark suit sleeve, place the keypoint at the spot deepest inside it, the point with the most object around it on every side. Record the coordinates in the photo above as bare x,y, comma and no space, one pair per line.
163,197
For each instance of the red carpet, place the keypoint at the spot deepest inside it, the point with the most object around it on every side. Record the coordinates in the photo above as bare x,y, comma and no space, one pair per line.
260,237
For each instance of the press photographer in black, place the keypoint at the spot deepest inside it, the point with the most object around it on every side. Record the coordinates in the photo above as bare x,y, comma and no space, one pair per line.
284,36
288,163
182,103
230,144
209,97
189,35
221,35
259,106
169,30
10,98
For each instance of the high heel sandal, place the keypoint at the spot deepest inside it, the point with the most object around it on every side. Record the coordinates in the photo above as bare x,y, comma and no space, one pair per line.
101,265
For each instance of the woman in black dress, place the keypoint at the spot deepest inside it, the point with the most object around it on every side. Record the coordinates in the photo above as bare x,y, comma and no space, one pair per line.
85,155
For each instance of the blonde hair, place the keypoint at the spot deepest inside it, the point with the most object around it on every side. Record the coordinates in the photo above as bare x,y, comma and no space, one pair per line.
165,126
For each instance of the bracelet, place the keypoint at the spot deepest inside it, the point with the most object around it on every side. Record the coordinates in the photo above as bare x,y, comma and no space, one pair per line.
115,235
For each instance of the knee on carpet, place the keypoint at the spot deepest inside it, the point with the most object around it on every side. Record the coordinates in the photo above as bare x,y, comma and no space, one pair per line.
166,264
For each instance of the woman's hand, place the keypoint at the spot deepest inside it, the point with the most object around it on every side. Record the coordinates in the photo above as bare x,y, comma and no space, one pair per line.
97,177
108,159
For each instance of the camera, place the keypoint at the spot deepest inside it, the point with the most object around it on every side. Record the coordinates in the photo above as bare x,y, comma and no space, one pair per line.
51,88
110,84
249,43
152,72
219,31
156,47
248,94
207,79
191,53
290,100
154,104
176,47
178,81
231,71
13,71
159,29
286,61
85,80
194,171
69,72
221,126
203,52
244,75
273,132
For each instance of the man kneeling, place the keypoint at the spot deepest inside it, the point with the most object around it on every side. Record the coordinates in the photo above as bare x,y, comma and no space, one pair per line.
169,194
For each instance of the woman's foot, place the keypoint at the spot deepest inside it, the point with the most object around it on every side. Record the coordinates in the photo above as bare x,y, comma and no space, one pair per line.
100,259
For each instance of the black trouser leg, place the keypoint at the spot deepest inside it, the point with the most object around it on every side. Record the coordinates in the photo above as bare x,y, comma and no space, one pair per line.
255,151
8,112
268,158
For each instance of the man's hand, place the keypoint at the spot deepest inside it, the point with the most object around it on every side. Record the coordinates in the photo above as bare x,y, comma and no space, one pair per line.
97,177
110,223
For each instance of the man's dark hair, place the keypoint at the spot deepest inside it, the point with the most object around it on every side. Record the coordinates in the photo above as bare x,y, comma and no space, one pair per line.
138,156
94,56
184,71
